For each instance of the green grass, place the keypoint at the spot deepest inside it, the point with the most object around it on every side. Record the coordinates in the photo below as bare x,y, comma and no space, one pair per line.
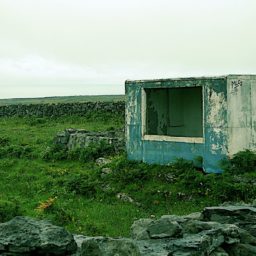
73,193
29,180
62,99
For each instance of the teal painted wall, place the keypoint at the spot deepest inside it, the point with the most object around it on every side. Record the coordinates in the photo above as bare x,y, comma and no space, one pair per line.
160,151
229,121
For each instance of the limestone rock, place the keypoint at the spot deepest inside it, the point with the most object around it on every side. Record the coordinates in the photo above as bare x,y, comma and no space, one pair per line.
153,247
241,250
219,252
163,237
179,219
73,139
124,197
139,229
242,216
102,161
30,236
199,244
155,229
169,235
105,172
196,226
193,216
229,214
101,246
164,228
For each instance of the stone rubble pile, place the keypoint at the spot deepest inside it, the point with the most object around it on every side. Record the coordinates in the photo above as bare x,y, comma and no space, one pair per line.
79,138
217,231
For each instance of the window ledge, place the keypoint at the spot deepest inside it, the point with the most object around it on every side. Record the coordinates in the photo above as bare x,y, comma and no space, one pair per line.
173,139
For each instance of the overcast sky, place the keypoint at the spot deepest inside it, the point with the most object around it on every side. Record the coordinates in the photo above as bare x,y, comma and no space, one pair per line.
80,47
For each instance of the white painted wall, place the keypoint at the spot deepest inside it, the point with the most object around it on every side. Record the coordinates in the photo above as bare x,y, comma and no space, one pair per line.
241,100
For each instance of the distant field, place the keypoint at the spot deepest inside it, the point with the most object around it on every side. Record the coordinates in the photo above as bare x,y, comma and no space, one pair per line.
62,99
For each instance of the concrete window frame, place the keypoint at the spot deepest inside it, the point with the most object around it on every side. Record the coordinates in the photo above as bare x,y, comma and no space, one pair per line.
147,137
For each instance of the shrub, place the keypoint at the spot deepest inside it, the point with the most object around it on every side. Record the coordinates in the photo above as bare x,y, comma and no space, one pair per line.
62,215
34,121
243,161
129,175
4,141
90,153
55,153
231,187
56,210
8,210
83,184
18,151
95,150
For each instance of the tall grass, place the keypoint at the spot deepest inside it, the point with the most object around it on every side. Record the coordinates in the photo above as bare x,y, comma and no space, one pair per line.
73,192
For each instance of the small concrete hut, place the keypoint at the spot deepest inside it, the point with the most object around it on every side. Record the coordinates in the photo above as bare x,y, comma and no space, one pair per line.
206,118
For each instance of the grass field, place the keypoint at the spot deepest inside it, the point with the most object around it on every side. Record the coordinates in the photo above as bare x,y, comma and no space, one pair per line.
62,99
72,193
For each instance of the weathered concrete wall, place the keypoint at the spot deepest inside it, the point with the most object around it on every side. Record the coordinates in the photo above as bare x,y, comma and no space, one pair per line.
242,113
229,119
164,149
215,123
62,109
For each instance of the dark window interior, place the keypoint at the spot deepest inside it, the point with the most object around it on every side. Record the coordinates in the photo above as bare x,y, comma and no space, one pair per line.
174,112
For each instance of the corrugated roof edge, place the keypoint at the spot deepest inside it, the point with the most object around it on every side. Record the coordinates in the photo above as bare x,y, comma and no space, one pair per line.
184,78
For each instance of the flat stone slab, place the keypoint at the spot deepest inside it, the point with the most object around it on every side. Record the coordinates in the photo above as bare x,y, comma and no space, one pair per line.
242,216
24,235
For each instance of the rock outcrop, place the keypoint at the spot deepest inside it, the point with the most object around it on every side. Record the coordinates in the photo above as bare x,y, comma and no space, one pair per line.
105,246
217,231
26,236
242,216
73,139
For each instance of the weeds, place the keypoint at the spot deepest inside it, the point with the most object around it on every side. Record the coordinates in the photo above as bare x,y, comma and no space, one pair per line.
83,185
35,121
243,162
4,141
46,205
9,210
92,152
88,154
31,172
54,153
16,151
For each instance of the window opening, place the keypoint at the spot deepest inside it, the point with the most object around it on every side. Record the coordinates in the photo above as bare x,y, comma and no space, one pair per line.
176,112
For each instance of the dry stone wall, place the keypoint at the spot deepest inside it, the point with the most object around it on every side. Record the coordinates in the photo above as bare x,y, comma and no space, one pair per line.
62,109
78,138
216,231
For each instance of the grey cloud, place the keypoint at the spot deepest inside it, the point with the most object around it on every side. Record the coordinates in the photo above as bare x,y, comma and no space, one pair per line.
100,41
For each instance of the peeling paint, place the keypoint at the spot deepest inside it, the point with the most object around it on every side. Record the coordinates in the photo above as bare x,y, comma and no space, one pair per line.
217,104
218,145
228,113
